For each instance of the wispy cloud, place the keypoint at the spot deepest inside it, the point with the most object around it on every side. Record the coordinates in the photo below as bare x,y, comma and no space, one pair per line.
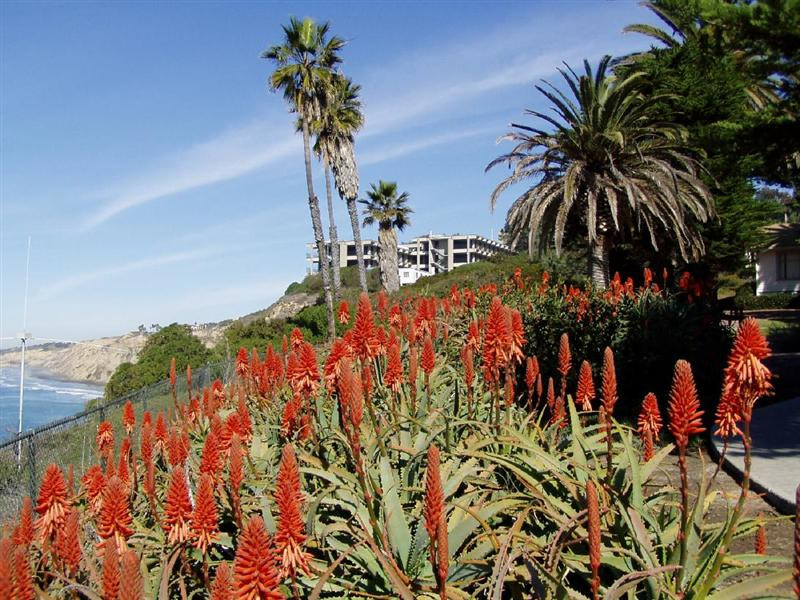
227,156
380,155
80,279
452,74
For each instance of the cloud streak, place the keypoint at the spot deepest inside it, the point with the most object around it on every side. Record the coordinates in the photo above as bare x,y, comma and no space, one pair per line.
397,150
426,94
80,279
230,155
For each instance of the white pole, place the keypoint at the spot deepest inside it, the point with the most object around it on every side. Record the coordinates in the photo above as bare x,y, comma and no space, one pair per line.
23,339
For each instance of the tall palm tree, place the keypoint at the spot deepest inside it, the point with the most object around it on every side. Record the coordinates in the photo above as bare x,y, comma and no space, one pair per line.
304,68
384,207
340,118
610,160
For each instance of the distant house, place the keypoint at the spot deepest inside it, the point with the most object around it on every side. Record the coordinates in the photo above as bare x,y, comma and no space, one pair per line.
778,265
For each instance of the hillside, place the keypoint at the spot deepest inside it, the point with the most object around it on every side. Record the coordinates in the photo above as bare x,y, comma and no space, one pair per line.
95,360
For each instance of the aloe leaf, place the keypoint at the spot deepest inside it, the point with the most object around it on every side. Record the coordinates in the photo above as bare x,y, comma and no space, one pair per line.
477,517
637,494
753,587
396,525
631,580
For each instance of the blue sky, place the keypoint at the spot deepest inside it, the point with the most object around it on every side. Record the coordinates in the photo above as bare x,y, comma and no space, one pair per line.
161,181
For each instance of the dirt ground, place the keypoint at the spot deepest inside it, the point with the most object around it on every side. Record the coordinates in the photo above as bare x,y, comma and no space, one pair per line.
780,534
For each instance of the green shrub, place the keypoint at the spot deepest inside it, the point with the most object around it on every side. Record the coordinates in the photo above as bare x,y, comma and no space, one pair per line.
746,300
153,362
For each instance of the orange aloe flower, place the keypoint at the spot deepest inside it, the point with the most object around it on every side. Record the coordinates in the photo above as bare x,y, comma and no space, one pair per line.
146,443
344,312
760,545
564,361
649,424
433,509
211,459
94,482
6,568
128,417
131,585
222,588
306,374
23,579
178,508
497,341
365,344
474,337
433,512
340,350
105,438
290,534
650,417
685,416
173,376
68,545
115,516
608,386
442,558
428,357
517,339
469,367
160,432
746,379
551,396
110,570
177,452
243,362
586,391
205,517
296,339
393,377
595,551
52,504
412,373
255,568
531,373
23,532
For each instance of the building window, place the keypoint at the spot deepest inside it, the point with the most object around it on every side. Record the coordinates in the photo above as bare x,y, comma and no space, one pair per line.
788,265
459,244
459,258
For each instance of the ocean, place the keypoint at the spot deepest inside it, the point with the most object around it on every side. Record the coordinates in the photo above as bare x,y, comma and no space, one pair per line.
46,399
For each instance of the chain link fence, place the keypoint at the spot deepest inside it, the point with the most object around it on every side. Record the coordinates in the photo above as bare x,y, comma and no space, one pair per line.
71,440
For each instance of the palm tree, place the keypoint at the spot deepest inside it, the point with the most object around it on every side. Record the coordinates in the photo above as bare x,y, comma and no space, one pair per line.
384,207
304,67
340,118
609,159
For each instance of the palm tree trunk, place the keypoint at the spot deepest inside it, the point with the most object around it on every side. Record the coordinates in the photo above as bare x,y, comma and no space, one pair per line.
334,237
319,237
390,277
362,269
599,252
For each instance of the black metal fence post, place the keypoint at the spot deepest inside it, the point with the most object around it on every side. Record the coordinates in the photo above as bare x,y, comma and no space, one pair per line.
32,466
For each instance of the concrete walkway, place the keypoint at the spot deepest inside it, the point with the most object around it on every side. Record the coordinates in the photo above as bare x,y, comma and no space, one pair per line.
776,453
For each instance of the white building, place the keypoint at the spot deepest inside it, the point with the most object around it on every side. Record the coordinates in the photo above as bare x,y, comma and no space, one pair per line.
425,255
347,254
778,265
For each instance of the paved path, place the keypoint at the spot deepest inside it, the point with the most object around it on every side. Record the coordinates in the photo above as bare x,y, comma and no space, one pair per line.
776,452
